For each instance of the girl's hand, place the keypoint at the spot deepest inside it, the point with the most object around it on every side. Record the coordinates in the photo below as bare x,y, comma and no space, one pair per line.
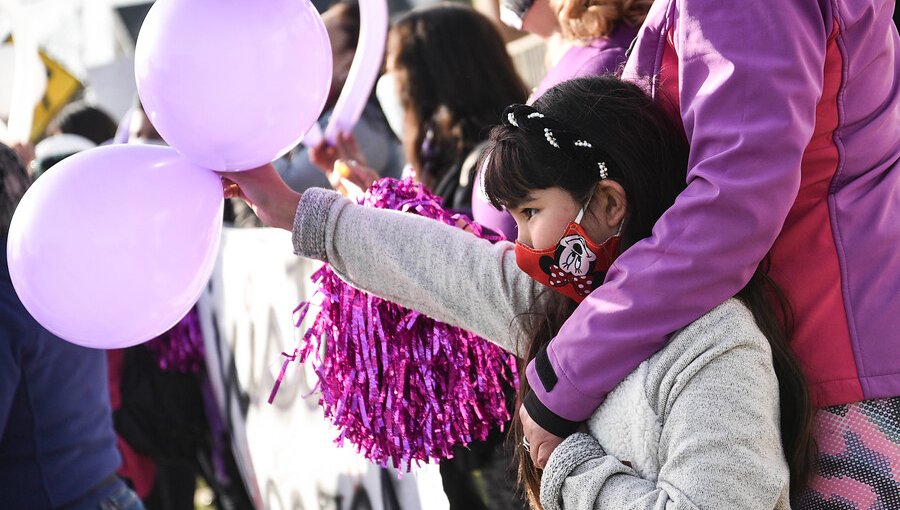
264,191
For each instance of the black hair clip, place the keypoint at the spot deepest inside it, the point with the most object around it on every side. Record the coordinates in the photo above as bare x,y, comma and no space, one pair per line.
535,123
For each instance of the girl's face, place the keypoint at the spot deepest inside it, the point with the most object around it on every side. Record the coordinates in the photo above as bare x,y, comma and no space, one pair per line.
544,215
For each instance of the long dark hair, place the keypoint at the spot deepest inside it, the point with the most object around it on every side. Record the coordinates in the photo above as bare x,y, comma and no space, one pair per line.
648,157
454,78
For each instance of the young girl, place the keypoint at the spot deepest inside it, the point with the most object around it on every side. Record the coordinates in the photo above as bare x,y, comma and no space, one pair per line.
586,172
592,36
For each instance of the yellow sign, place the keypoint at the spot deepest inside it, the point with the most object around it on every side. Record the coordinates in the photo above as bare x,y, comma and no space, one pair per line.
61,86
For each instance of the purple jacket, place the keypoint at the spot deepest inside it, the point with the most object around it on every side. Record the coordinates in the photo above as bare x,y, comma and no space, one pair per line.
792,111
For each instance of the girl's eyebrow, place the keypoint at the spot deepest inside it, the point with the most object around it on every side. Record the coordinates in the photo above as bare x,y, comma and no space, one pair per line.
519,204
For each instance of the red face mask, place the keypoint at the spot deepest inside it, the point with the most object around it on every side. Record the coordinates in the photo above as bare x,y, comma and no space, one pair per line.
575,266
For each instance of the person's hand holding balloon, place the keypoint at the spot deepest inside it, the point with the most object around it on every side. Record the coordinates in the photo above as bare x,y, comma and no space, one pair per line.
266,193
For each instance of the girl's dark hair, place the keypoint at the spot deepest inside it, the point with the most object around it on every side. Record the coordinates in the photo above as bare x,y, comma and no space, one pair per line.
647,155
454,78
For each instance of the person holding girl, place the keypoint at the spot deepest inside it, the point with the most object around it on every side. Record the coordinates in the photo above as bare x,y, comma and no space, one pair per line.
587,171
794,154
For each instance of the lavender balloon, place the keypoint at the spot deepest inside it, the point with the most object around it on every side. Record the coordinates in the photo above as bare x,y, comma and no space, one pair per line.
112,246
232,84
373,26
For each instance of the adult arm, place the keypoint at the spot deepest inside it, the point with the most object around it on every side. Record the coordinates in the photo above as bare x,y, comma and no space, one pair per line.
750,78
439,270
716,394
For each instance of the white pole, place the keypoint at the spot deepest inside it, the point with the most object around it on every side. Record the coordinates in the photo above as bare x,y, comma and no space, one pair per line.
28,64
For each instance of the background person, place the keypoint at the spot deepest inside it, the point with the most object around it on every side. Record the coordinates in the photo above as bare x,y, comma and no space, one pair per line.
376,143
57,445
448,77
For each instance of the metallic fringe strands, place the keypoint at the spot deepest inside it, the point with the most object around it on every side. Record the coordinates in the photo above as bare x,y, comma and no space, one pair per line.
399,385
181,348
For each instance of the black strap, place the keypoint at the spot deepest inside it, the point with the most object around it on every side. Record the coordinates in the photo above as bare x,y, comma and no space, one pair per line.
547,419
545,370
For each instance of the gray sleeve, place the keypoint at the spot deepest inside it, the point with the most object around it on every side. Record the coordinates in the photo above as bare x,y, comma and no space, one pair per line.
439,270
716,394
576,473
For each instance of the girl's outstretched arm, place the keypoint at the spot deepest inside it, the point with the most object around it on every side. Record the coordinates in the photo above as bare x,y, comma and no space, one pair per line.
442,271
439,270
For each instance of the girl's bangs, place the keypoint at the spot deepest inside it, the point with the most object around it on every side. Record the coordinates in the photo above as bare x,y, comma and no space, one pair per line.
506,167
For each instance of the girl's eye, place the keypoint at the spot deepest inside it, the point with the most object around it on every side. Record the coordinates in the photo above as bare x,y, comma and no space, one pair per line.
528,212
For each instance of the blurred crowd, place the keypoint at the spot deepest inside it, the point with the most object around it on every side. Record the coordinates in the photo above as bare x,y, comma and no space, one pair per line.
139,428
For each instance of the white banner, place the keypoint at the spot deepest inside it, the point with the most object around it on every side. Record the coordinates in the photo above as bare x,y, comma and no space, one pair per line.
285,450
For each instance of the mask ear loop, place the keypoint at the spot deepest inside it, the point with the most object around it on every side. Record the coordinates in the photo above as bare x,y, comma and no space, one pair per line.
586,204
604,173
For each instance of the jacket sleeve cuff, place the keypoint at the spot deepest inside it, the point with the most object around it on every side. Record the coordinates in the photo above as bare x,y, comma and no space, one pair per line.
308,234
551,422
556,393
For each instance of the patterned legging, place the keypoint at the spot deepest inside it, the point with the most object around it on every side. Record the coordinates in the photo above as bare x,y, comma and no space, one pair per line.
859,457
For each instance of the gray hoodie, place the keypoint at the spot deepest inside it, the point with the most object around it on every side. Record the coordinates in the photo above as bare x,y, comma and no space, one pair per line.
695,426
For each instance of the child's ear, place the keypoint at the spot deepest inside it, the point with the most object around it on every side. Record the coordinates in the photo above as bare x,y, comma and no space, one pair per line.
611,195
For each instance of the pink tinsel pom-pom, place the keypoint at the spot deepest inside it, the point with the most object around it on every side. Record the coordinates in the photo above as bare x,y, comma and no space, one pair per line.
399,385
180,349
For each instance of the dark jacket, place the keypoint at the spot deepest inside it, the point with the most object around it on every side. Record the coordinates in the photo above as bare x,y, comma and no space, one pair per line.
57,446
